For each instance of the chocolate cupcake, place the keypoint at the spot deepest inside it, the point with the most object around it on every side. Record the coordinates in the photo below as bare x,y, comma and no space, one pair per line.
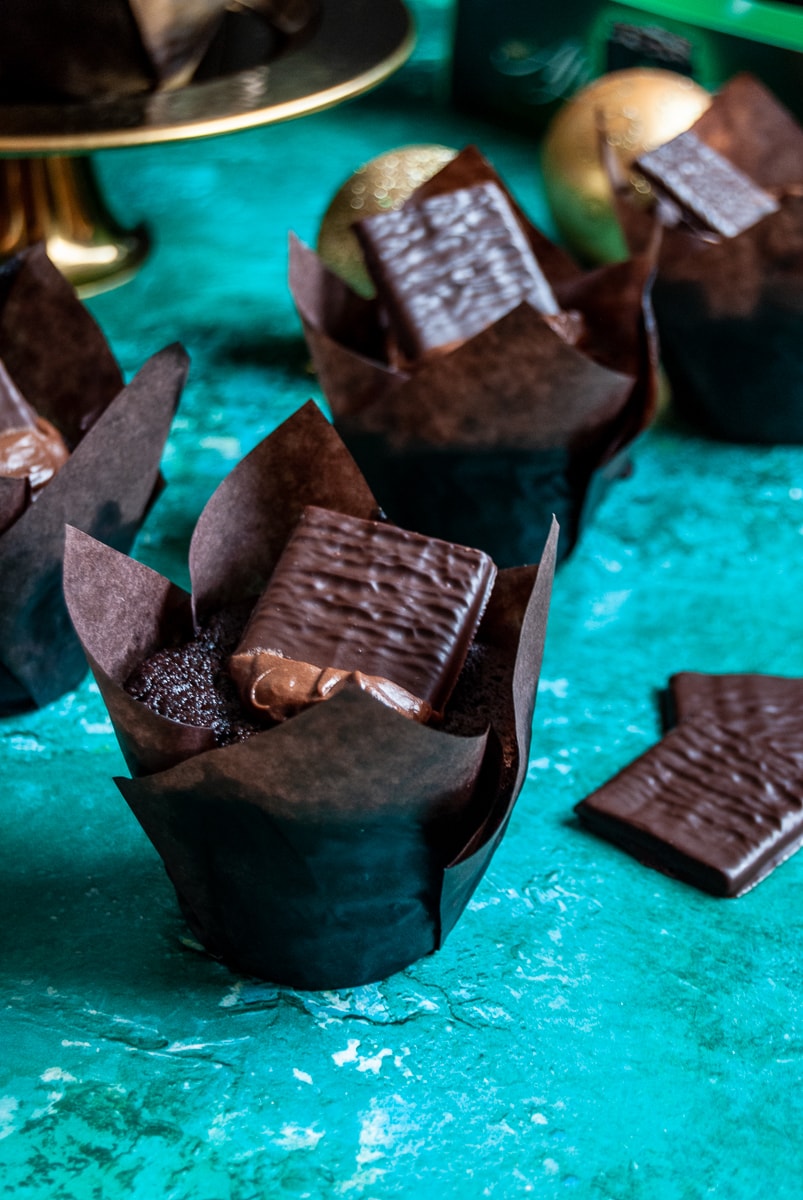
728,297
331,841
490,383
76,447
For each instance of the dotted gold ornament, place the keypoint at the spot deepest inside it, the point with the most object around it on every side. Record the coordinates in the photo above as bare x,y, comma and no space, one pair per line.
640,108
380,185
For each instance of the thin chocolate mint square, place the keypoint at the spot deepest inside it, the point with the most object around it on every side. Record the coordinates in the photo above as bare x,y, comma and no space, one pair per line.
393,611
705,805
448,266
709,190
758,706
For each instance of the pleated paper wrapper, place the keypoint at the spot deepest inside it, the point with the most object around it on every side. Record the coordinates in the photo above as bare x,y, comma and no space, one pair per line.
343,844
482,445
60,362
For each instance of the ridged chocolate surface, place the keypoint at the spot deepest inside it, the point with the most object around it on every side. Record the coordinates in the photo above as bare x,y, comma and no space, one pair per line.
707,187
449,266
705,805
370,597
769,707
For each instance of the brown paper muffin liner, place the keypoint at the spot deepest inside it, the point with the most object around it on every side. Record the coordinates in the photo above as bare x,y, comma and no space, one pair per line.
730,313
484,443
51,345
342,844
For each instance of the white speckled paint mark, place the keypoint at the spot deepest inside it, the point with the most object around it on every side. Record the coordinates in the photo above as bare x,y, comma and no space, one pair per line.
8,1106
56,1074
232,996
374,1064
539,1119
227,447
181,1047
96,726
67,1042
219,1132
297,1137
340,1057
478,905
400,1064
555,687
550,1166
606,609
376,1136
302,1075
24,743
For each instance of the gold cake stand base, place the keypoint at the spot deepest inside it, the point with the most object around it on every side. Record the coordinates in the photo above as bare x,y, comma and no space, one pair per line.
58,201
48,188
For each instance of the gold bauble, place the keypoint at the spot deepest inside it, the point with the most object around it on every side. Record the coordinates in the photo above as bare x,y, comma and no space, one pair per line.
641,108
382,184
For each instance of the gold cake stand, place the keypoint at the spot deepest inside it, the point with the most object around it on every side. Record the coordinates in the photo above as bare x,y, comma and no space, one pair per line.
48,188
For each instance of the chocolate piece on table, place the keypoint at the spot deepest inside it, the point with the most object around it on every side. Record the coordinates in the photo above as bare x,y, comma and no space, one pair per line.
709,190
768,707
450,265
706,806
30,447
392,611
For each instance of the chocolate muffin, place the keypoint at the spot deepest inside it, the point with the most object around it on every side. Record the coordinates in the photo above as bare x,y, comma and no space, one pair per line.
728,295
331,841
490,383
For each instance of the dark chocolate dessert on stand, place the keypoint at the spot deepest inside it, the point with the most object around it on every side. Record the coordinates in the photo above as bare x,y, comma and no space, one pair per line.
490,383
84,49
327,738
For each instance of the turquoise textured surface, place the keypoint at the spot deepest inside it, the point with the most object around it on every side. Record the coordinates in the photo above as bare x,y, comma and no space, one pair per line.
591,1029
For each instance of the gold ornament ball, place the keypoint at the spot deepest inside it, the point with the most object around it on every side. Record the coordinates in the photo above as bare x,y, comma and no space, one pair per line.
380,185
641,108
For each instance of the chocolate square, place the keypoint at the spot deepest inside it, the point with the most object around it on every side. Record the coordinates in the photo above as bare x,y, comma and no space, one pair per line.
769,707
708,189
363,599
706,806
449,265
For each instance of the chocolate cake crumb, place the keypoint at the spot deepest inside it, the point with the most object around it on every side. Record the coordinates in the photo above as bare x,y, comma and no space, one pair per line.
190,683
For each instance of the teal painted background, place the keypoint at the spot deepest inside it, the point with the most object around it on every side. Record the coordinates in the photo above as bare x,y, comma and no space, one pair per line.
591,1030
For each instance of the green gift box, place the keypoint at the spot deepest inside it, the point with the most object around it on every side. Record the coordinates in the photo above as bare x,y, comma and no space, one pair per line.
518,62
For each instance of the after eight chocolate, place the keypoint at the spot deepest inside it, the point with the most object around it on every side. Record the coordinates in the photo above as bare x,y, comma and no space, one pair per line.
448,266
364,602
